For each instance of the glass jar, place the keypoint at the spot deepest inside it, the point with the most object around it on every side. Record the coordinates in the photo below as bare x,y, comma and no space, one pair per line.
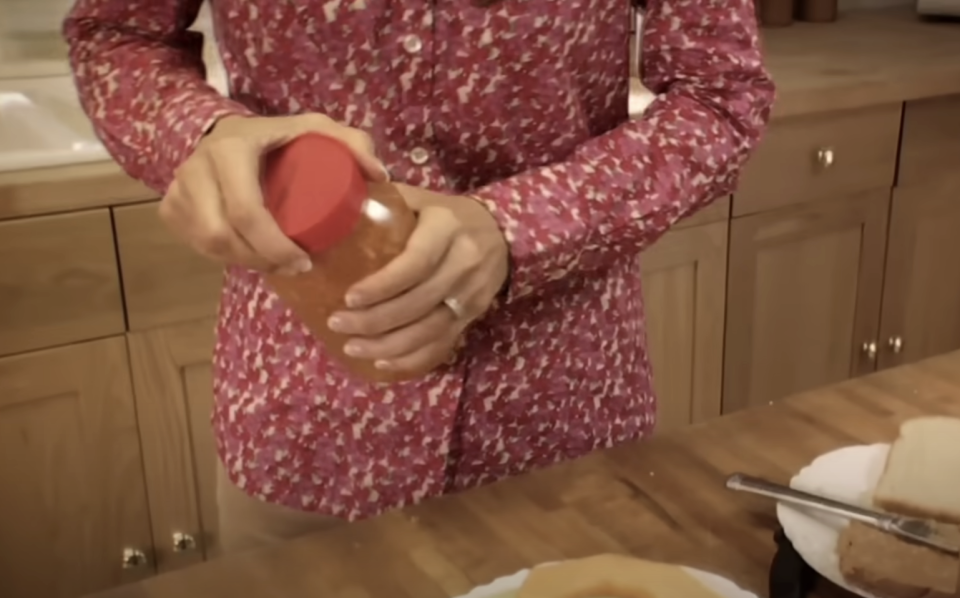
350,227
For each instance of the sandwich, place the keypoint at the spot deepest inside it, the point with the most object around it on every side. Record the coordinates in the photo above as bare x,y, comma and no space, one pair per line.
921,479
612,576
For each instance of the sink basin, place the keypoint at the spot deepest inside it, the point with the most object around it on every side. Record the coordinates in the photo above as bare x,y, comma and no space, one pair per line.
41,124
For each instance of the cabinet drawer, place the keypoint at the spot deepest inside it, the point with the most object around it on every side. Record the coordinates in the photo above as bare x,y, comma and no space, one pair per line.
164,281
812,157
58,281
931,140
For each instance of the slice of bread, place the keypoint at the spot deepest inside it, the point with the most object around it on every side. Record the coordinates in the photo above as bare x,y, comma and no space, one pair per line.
921,478
888,567
922,474
612,576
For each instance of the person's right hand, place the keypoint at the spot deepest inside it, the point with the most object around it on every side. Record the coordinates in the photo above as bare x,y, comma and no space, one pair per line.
215,202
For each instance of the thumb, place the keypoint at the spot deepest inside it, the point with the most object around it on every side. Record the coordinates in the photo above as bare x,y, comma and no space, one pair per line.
363,149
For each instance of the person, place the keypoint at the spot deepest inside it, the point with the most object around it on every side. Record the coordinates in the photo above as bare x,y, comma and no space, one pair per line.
505,124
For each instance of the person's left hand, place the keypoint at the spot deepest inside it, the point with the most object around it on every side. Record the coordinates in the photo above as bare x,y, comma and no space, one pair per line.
410,315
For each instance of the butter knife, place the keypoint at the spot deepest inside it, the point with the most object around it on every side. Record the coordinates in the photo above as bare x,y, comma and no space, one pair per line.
940,536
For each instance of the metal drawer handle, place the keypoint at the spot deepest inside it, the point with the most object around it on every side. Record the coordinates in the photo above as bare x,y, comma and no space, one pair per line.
895,343
825,157
133,558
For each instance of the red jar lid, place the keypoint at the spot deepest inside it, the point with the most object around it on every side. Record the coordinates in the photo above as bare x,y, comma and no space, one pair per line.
314,189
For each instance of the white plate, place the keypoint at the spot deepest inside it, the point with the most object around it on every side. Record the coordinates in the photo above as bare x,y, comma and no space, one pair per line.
511,583
849,474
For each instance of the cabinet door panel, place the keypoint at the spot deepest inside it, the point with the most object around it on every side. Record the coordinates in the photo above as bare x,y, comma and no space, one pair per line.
684,281
59,282
164,280
921,296
803,296
172,377
73,495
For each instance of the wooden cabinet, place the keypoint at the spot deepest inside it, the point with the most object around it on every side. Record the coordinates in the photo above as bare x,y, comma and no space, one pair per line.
836,256
58,281
164,281
930,145
684,280
803,297
72,479
821,156
921,296
172,379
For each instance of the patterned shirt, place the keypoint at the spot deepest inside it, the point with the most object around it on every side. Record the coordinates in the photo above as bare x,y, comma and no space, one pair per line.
522,103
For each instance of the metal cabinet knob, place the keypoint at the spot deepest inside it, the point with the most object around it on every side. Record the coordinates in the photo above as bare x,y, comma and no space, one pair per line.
183,542
870,350
133,558
825,157
895,343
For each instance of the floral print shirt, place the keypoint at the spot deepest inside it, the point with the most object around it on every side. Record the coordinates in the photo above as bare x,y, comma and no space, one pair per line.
522,103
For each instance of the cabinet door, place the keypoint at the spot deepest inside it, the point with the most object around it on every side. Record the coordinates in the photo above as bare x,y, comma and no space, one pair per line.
172,378
684,282
58,281
803,297
921,293
73,498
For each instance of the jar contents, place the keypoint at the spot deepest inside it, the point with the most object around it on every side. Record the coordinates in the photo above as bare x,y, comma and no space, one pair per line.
350,227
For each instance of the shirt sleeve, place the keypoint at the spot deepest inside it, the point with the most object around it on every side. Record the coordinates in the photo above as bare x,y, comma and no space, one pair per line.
622,190
141,80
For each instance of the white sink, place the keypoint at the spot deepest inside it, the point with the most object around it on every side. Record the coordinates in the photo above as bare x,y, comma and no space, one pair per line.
41,124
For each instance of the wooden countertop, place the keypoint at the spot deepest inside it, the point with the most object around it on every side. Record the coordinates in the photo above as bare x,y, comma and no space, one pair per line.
67,188
866,58
660,499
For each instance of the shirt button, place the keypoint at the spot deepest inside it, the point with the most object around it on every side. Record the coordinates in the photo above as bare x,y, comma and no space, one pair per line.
412,44
418,155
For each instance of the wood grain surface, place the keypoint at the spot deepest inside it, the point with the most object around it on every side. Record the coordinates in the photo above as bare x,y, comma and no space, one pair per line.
866,58
660,499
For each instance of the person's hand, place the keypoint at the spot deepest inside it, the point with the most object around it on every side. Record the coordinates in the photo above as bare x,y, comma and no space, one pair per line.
410,315
215,202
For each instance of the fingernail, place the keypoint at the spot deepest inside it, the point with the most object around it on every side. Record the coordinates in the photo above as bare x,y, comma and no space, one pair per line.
382,364
353,350
335,323
303,265
353,300
298,267
386,172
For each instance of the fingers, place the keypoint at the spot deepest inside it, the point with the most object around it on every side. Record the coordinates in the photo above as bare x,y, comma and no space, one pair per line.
435,327
216,202
359,142
422,359
202,223
456,270
237,164
425,250
363,150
